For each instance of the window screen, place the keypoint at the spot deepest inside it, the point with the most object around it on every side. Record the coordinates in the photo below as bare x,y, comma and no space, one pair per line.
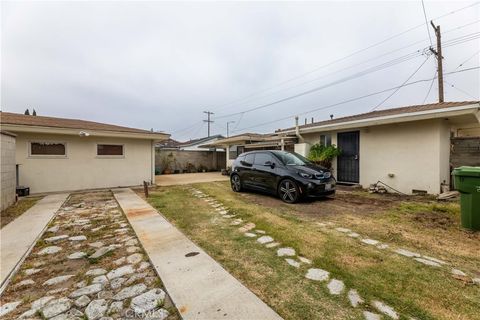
47,148
109,150
325,140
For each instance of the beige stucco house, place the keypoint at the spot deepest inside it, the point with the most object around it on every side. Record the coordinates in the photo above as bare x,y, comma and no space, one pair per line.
56,154
408,148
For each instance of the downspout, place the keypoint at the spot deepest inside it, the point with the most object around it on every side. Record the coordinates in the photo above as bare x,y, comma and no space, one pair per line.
152,162
297,131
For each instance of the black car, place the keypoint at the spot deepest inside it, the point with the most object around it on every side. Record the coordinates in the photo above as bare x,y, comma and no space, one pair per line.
286,174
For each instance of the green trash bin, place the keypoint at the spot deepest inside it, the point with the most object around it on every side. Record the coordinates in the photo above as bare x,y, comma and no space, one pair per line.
467,182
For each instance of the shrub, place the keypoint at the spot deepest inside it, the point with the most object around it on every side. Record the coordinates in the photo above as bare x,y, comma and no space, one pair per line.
323,155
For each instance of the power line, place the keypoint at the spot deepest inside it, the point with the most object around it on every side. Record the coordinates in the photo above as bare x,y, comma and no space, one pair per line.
208,121
461,90
471,57
353,99
345,57
430,87
410,77
426,24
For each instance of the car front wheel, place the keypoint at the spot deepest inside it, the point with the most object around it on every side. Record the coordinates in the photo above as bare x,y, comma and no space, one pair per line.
236,183
288,191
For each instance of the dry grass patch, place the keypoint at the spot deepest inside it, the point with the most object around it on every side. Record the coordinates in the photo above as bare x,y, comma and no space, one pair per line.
17,209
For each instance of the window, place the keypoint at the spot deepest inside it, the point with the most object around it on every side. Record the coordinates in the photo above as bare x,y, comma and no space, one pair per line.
48,149
325,140
261,158
235,151
249,158
109,150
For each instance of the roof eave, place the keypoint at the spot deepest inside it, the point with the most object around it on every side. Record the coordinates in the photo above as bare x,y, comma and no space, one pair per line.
398,118
75,132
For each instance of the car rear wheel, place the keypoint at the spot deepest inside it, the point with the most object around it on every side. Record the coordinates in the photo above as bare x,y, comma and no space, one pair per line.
236,183
288,191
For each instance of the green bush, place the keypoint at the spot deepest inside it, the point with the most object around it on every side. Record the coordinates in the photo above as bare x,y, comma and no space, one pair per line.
323,155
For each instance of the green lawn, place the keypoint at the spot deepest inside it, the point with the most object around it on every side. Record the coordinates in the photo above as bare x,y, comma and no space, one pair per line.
410,288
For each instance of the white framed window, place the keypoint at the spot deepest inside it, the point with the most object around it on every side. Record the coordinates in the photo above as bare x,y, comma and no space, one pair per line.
110,150
47,149
326,140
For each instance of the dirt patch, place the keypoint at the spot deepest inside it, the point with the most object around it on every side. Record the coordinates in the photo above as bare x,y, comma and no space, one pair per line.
431,219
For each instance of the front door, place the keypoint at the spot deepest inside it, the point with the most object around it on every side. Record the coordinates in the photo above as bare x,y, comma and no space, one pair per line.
348,162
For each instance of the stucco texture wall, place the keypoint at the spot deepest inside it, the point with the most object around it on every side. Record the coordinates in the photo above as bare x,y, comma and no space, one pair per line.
82,168
8,175
416,153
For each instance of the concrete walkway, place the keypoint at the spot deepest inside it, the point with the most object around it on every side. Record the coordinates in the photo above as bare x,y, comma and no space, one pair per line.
19,236
199,287
188,178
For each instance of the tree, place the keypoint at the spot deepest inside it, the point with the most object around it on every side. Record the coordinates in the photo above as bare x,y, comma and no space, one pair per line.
27,113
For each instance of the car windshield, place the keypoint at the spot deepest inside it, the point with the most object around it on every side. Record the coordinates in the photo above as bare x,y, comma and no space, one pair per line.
291,159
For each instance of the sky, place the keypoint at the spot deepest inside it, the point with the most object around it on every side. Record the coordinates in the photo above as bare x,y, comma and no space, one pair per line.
160,65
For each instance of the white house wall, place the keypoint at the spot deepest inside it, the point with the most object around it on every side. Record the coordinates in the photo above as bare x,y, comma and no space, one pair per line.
81,168
416,153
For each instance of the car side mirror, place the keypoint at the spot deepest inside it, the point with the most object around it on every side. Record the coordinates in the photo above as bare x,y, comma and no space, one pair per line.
270,164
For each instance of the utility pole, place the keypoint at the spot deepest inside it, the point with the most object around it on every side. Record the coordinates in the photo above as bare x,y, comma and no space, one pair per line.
228,127
208,121
438,55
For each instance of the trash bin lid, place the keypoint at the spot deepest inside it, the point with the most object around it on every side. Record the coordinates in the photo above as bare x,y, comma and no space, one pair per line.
465,171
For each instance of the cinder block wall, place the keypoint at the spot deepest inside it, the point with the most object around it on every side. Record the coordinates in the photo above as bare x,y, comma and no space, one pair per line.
8,175
184,160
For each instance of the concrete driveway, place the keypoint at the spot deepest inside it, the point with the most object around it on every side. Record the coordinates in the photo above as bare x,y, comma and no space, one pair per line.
188,178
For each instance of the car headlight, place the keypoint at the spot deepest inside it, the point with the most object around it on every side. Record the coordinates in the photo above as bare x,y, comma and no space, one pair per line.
305,175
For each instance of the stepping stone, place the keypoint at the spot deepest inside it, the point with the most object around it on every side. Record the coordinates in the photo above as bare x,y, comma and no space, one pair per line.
434,260
97,244
77,238
133,249
382,246
57,280
229,216
88,290
236,222
9,307
371,316
143,265
457,272
81,284
77,255
476,280
129,292
96,272
265,239
72,314
53,229
120,261
247,227
131,242
385,309
321,224
370,241
96,309
117,283
82,301
344,230
115,307
272,244
135,258
55,291
305,260
49,250
260,231
353,235
223,212
148,301
40,303
24,283
101,252
407,253
120,272
427,262
56,238
97,228
31,271
354,298
249,234
289,252
293,263
335,286
135,277
317,274
56,307
100,279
